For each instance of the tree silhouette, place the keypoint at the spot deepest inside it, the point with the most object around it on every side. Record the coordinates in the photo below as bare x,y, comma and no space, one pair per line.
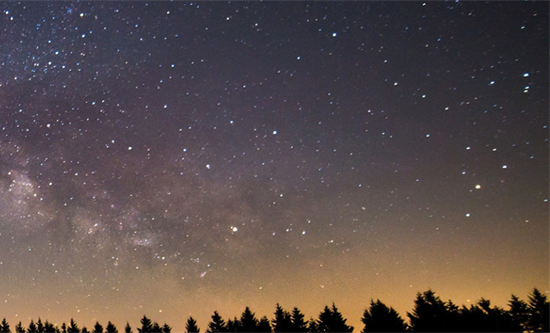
84,329
39,326
73,327
50,328
519,313
538,308
19,328
166,328
97,328
282,321
331,320
191,326
379,318
312,326
248,321
63,328
233,325
156,328
128,328
217,324
430,314
297,320
32,327
263,325
111,328
5,327
146,325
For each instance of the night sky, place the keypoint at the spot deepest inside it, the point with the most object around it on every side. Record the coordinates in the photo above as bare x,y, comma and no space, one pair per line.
172,159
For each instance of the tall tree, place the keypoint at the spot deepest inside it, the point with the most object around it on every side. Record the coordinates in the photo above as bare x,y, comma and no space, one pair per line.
217,324
263,325
39,326
5,327
282,322
379,318
156,328
146,325
73,327
19,328
111,328
248,321
538,308
430,314
166,328
32,327
98,328
519,313
128,328
331,320
49,327
233,325
191,326
298,323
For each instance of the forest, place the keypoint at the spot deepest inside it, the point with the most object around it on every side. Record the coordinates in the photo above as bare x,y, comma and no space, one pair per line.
429,314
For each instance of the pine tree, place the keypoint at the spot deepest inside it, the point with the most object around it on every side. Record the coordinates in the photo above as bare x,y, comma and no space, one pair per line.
166,328
97,328
217,324
128,328
39,326
156,328
111,328
5,327
312,326
538,308
248,321
233,325
73,327
263,325
191,326
146,325
49,327
64,328
331,320
32,327
19,328
519,313
282,321
298,323
84,330
380,318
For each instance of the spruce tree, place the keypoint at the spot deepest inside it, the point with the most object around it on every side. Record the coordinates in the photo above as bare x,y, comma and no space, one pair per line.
128,328
166,328
5,327
32,327
97,328
538,308
39,326
298,323
111,328
282,321
49,327
379,318
248,321
264,325
73,327
146,325
217,324
19,328
191,326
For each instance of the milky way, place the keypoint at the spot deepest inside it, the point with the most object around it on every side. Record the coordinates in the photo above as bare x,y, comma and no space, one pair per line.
172,159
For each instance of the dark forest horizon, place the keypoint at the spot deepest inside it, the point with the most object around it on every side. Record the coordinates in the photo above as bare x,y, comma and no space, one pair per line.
429,314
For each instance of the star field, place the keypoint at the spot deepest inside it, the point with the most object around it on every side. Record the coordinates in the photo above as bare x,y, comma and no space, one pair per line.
172,159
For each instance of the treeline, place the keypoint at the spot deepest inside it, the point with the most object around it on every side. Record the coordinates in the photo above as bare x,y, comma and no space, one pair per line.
430,314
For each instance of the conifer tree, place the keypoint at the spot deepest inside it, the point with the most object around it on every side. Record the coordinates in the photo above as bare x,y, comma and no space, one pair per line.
63,328
73,327
97,328
32,327
298,323
331,320
233,325
111,328
5,327
84,329
39,326
248,321
538,308
217,324
128,328
379,318
146,325
166,328
518,312
312,326
156,328
19,328
49,327
282,321
191,326
263,325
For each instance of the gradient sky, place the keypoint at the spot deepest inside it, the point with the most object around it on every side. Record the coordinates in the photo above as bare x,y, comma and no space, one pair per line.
172,159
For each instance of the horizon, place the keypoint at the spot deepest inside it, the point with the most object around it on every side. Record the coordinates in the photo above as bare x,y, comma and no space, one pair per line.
171,159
